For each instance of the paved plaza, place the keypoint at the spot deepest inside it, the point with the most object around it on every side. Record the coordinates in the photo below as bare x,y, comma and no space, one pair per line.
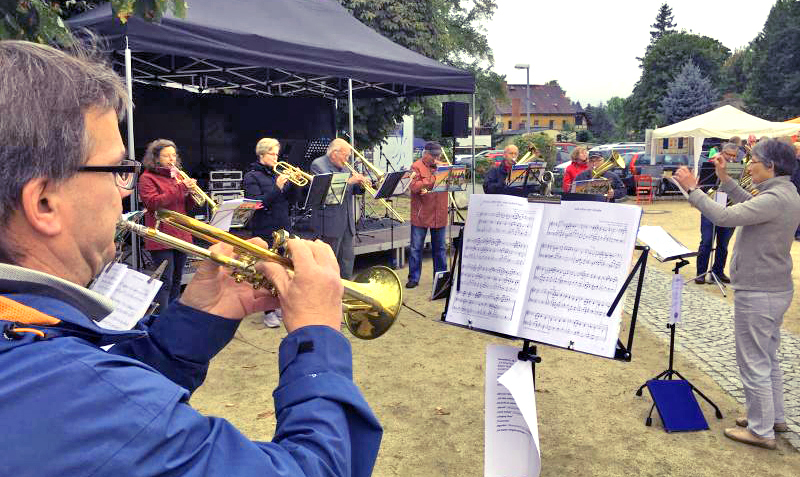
705,337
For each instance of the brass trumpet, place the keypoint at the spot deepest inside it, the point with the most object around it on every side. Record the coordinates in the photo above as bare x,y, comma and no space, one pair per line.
295,175
198,196
371,302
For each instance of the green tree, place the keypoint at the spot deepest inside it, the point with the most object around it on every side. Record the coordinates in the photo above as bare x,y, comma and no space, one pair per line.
689,94
615,107
662,26
602,127
773,83
445,30
41,20
659,69
543,143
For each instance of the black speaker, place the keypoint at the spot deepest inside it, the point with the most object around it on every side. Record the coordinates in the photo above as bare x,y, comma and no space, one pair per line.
454,119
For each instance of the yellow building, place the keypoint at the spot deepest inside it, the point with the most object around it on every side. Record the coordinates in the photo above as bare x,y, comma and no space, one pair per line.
550,110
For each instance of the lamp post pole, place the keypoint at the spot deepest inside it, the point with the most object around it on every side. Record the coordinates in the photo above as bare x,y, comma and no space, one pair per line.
527,69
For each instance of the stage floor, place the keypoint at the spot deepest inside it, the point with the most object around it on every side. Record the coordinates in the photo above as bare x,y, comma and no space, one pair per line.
393,238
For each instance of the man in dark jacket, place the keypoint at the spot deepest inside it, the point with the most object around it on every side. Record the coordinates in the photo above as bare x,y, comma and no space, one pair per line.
497,177
86,411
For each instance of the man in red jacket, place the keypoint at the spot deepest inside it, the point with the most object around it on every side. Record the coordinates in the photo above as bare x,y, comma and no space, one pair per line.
579,164
428,211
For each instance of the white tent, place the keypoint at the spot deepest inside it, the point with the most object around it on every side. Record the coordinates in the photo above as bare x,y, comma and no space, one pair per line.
724,122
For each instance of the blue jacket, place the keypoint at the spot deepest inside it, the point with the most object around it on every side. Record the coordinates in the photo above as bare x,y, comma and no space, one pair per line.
71,409
495,183
259,184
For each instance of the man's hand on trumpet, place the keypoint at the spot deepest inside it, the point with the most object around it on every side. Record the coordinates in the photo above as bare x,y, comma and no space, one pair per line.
312,295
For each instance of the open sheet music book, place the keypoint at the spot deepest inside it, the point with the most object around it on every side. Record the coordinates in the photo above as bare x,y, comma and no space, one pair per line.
545,272
131,291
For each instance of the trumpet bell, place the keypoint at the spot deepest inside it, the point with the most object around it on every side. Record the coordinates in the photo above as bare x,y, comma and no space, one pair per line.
382,285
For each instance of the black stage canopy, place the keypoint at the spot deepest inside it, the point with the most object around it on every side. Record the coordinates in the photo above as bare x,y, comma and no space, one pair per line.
272,47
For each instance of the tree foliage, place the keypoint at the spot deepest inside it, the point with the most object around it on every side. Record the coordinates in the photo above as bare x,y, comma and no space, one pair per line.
659,69
773,83
689,94
602,127
445,30
543,143
662,26
41,20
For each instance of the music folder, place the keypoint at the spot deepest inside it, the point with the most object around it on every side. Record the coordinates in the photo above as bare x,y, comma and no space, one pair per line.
450,178
529,173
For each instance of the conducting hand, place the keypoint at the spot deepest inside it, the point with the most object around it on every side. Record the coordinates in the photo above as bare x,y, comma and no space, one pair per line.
312,295
214,290
720,165
685,178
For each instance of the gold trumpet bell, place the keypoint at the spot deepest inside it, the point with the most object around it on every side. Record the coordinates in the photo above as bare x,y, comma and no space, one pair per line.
376,286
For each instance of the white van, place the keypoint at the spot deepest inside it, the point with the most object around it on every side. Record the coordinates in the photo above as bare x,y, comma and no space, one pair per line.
620,148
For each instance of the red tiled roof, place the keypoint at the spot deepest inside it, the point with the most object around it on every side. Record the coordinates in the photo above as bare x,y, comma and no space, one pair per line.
545,99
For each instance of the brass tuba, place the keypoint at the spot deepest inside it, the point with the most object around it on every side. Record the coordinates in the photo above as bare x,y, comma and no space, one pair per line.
615,160
371,301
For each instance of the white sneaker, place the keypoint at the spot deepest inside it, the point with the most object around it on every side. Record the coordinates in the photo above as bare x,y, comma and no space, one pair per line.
272,320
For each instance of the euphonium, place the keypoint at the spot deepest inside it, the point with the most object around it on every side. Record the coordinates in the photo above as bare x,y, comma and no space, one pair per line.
371,302
198,196
613,161
294,174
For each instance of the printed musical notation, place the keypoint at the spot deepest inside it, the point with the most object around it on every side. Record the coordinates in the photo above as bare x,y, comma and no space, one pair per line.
548,323
603,232
588,281
580,256
513,222
478,304
561,300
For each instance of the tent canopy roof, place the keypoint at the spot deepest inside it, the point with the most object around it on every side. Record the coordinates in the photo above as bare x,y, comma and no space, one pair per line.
273,47
725,122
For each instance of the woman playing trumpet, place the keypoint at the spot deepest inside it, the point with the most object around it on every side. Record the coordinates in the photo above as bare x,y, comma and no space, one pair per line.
161,188
273,190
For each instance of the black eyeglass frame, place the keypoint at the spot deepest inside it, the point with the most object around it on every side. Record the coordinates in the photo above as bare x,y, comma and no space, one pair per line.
134,168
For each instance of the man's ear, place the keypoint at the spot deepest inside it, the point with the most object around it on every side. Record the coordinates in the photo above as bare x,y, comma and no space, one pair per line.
40,204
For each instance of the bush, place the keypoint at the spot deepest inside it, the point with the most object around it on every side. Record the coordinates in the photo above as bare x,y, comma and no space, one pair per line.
482,166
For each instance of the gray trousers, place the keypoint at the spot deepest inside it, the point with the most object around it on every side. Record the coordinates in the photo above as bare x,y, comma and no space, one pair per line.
343,249
757,326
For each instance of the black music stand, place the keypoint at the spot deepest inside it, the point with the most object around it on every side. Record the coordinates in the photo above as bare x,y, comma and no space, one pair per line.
318,193
389,186
670,406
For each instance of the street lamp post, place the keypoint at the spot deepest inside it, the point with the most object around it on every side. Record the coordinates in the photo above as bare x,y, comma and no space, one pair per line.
527,68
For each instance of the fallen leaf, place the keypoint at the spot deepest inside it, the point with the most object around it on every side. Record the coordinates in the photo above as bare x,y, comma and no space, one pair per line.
441,412
230,404
249,366
262,415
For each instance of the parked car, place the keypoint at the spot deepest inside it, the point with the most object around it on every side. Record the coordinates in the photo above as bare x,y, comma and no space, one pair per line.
466,159
619,147
666,163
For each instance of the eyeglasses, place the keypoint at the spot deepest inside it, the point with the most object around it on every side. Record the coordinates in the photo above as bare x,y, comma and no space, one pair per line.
124,174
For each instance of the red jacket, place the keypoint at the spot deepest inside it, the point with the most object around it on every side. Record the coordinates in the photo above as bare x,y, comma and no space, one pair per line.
571,173
158,190
428,210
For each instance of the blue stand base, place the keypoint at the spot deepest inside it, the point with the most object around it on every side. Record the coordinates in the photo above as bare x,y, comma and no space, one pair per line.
677,406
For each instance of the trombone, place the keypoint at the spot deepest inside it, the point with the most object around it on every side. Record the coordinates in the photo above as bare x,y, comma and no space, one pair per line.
198,196
371,301
370,190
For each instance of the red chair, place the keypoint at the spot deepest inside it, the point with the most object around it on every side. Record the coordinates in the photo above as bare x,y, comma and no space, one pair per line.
645,190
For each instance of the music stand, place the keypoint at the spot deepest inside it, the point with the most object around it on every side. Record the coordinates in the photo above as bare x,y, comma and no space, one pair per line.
318,193
671,402
388,188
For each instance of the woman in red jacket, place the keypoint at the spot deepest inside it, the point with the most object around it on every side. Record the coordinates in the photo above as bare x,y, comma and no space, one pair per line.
161,188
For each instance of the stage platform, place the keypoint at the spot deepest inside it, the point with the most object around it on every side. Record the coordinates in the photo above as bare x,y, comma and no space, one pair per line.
395,239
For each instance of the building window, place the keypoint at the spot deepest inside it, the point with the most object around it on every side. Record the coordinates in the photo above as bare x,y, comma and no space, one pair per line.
564,124
535,122
509,125
552,124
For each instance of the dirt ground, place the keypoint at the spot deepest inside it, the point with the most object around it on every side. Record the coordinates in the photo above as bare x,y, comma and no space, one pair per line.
425,382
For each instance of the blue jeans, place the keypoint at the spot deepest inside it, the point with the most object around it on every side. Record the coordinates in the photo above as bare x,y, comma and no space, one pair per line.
171,278
415,251
724,235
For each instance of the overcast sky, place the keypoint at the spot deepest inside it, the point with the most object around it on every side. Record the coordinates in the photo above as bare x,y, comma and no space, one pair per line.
590,46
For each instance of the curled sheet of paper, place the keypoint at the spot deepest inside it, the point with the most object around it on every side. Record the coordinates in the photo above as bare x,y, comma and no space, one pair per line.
512,432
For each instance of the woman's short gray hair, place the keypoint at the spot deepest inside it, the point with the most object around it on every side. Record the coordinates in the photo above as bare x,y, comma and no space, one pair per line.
45,94
777,154
264,145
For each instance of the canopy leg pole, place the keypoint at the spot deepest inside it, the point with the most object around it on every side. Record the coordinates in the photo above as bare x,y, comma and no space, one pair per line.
350,111
131,147
472,153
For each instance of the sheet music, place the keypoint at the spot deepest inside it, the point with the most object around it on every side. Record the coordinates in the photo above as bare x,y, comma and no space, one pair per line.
663,245
511,435
495,260
582,259
131,291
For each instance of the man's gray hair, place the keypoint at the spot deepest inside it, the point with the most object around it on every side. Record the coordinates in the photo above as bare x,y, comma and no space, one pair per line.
335,145
44,95
729,146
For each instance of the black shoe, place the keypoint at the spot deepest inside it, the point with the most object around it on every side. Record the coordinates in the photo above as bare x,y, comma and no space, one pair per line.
411,284
723,278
